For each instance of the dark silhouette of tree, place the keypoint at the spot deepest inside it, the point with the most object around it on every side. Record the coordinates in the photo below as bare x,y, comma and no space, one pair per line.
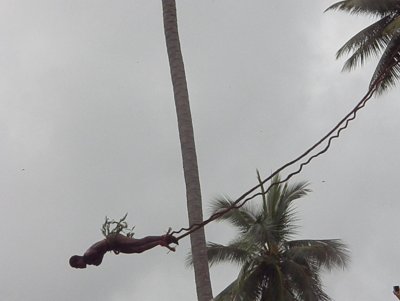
274,267
382,38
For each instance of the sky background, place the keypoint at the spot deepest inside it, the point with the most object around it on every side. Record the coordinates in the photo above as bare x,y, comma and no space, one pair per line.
88,129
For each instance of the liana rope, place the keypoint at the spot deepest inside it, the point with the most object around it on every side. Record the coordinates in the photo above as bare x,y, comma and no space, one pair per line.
330,136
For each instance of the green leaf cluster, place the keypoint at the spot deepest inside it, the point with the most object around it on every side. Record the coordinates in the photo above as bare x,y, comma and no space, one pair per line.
273,267
380,39
111,226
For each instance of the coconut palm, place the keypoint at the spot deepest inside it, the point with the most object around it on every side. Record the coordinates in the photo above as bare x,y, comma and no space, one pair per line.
188,149
274,267
382,38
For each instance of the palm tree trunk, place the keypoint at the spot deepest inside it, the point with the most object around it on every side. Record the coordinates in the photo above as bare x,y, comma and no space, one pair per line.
189,158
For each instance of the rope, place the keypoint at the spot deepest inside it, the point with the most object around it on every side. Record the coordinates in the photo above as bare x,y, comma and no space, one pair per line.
332,134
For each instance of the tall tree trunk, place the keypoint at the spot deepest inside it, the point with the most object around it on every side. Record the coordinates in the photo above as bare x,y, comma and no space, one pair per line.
185,127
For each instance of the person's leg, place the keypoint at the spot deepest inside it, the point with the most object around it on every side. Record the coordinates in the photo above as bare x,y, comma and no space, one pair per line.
132,245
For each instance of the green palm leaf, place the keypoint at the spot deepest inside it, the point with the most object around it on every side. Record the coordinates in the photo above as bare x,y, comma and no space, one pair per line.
381,36
327,253
274,287
228,294
241,219
252,281
235,253
247,286
366,43
273,196
371,7
281,215
388,70
304,281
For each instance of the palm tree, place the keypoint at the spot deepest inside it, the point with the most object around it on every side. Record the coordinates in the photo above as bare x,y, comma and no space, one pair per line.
188,149
382,38
273,267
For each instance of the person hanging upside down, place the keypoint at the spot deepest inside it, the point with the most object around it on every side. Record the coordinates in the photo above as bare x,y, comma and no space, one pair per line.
119,243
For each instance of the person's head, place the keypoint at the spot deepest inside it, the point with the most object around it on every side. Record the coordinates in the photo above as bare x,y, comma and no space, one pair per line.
77,262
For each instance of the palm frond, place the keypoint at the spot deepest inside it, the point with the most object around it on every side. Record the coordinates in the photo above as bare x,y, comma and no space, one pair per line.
275,287
237,252
273,195
252,280
387,71
228,293
393,26
303,280
313,291
295,191
282,196
299,278
241,218
370,7
319,293
370,41
289,193
283,220
298,272
269,293
245,287
258,234
270,232
327,253
283,226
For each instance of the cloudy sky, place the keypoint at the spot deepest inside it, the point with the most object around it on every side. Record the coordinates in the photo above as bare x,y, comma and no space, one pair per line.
88,129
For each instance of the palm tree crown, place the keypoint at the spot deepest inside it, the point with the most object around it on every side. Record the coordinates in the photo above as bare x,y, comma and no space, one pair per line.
273,267
382,38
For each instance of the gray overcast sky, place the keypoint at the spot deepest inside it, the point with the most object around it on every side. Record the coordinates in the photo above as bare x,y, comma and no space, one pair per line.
88,129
